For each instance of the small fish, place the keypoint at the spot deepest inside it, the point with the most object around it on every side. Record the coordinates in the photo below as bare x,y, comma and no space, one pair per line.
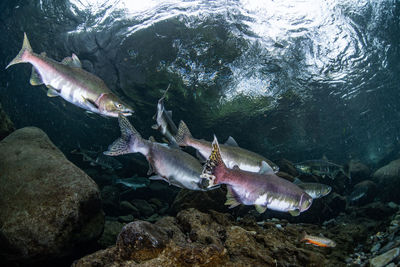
263,189
321,167
68,80
232,154
98,159
165,124
318,241
362,191
134,182
170,164
315,190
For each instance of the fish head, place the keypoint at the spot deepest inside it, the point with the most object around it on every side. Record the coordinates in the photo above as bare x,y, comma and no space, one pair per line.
305,202
110,105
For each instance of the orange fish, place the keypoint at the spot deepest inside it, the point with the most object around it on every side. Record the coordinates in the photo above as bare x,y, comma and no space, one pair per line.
318,241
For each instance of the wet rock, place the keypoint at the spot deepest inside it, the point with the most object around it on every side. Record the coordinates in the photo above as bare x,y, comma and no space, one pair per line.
376,210
6,125
111,198
383,259
127,208
203,201
143,206
110,233
48,207
358,171
141,240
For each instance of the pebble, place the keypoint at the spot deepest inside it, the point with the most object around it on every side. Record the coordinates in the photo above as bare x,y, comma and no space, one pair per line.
376,247
279,226
384,259
392,205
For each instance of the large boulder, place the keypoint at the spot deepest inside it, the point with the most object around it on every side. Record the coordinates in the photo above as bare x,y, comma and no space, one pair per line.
49,208
6,125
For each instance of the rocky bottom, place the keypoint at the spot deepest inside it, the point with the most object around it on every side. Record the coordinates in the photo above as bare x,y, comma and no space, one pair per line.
195,238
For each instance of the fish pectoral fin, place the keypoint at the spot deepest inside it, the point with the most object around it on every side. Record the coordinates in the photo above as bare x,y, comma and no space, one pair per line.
231,198
231,142
265,168
157,178
151,170
35,79
294,212
260,209
90,102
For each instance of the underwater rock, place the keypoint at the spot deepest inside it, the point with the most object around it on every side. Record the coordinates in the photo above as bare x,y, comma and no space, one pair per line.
6,125
49,208
143,206
382,260
127,208
375,210
358,171
110,233
388,180
203,201
140,241
110,196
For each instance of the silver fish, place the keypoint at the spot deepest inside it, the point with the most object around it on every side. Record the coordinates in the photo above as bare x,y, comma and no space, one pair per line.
263,190
170,164
315,190
321,167
165,124
98,159
68,80
134,182
232,154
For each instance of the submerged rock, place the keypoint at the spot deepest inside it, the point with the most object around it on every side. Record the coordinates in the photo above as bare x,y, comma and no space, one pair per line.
388,180
358,171
384,259
6,125
48,206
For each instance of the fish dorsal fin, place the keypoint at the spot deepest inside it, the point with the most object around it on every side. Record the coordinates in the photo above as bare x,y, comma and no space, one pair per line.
72,61
265,168
297,181
324,157
43,54
231,198
152,139
231,142
77,63
260,209
35,79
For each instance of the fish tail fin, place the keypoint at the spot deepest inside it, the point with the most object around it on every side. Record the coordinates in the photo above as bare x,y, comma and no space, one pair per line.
129,136
26,48
183,134
214,161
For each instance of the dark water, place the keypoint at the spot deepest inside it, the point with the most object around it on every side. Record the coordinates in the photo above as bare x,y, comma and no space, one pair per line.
298,80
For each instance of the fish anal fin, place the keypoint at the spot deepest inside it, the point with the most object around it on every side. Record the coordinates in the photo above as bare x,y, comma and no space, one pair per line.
52,92
260,209
231,142
35,79
294,212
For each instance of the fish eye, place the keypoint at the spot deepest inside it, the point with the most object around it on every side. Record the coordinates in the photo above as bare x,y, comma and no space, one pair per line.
118,105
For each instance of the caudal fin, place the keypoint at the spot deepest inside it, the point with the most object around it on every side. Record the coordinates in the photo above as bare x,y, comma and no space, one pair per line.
212,163
129,135
183,134
26,47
